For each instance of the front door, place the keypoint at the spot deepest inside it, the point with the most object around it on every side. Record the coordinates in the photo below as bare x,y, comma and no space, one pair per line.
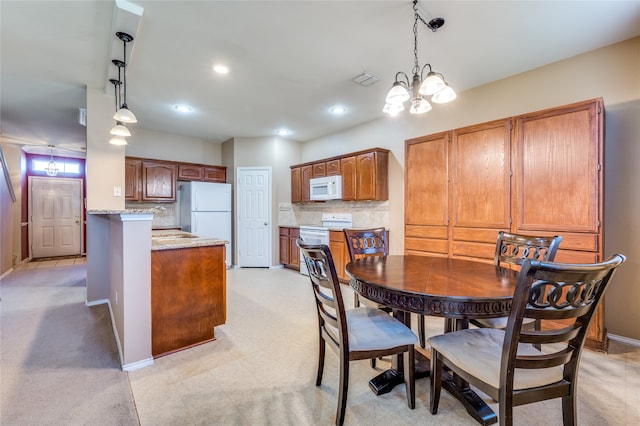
56,216
254,217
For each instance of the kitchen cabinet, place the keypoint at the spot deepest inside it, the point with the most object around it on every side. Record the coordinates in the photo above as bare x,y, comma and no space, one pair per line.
289,251
197,172
158,181
364,176
340,253
538,174
132,179
188,297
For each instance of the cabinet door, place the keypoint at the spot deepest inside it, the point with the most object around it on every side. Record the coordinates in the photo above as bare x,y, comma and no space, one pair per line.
294,251
190,172
215,174
158,181
337,247
132,179
296,185
284,245
426,194
480,188
333,168
348,167
319,170
306,174
558,181
372,180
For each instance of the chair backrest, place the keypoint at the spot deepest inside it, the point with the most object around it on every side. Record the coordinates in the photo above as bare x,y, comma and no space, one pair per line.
549,292
366,242
326,288
513,249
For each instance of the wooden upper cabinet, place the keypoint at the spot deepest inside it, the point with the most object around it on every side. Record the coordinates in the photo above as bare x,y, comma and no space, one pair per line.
348,167
190,172
216,174
332,167
132,179
481,173
319,169
158,181
558,177
306,173
296,184
372,176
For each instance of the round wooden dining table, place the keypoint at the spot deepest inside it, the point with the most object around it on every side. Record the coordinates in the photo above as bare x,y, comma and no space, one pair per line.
456,289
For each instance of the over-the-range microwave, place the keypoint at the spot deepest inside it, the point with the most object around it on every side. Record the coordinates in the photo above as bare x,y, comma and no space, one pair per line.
326,188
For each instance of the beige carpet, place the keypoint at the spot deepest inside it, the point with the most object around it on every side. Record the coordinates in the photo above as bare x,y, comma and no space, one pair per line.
59,366
58,360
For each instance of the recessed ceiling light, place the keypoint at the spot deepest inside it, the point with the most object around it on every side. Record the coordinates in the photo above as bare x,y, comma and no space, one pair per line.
221,69
183,108
338,109
283,132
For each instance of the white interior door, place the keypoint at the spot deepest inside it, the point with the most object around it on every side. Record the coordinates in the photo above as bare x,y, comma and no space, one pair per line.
254,217
56,216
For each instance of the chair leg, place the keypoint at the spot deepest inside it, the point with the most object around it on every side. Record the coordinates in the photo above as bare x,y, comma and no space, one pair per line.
342,393
569,409
435,381
409,378
421,330
320,361
372,361
356,300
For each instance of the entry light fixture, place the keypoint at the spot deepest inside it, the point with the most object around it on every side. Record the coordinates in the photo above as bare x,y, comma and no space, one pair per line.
283,132
52,168
124,114
419,86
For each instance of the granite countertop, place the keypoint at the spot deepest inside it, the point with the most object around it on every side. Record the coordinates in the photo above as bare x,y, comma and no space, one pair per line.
123,211
173,239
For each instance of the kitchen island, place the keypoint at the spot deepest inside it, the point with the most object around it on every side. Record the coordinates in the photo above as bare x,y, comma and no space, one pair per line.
188,290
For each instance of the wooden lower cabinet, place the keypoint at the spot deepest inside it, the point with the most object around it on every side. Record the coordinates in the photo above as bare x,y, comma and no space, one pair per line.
289,251
340,254
188,297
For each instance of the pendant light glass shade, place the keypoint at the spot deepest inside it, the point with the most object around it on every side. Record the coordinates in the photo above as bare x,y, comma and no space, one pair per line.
445,95
420,106
397,95
432,84
52,168
125,115
120,130
117,140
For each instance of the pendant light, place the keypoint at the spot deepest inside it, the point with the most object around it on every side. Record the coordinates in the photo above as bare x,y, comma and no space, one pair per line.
124,114
119,129
433,84
52,168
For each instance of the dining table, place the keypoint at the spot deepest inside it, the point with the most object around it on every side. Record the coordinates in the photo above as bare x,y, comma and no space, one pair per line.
456,289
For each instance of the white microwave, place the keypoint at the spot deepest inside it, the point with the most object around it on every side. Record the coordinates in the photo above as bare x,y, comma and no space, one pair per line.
326,188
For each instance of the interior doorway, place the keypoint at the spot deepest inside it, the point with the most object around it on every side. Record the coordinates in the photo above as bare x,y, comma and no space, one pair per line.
253,217
55,216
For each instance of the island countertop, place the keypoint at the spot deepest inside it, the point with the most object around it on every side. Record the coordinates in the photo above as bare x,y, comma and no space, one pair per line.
174,239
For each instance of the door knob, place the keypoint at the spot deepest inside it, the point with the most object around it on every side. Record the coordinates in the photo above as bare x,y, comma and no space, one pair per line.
265,224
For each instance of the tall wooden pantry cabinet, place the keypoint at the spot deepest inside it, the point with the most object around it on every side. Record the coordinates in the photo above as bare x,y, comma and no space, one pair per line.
538,173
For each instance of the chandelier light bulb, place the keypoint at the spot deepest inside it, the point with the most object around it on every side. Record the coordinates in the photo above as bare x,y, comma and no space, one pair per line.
419,106
445,95
397,95
118,140
392,109
120,130
125,115
432,84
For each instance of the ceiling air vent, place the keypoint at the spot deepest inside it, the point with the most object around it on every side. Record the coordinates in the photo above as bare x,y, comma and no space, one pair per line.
365,79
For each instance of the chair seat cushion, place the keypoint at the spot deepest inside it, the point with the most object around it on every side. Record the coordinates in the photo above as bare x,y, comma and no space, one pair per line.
373,329
501,323
478,351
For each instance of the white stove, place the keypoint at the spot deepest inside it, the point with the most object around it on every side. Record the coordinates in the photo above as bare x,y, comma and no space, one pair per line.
320,234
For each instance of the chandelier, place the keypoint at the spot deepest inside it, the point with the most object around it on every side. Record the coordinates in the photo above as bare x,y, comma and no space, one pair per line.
419,87
52,168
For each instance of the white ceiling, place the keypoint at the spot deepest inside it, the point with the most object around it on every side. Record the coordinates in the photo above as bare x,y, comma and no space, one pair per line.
290,60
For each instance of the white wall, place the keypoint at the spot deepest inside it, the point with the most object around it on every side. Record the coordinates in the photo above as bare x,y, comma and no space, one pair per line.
166,146
612,73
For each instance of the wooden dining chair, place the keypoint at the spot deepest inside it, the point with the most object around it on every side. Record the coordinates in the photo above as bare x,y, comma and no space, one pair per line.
356,334
504,364
511,251
373,242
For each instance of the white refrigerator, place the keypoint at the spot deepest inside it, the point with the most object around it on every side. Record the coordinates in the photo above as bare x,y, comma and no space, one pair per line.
205,211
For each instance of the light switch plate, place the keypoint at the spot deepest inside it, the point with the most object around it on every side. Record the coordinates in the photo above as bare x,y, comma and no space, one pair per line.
117,191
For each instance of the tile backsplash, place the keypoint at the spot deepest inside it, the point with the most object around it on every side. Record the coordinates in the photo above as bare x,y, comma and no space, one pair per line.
167,214
366,214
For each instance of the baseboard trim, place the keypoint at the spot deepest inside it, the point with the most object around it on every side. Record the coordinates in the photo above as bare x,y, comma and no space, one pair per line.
98,302
138,364
6,273
625,340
